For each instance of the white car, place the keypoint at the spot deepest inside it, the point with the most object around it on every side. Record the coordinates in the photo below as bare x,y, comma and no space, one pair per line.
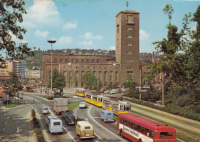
107,92
82,105
113,91
44,110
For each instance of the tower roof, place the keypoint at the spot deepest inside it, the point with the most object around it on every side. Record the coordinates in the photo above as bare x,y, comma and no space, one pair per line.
127,12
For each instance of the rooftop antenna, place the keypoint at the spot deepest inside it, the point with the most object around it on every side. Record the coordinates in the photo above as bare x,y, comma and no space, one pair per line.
127,5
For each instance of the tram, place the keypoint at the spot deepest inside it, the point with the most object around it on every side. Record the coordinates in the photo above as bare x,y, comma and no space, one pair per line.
112,104
80,92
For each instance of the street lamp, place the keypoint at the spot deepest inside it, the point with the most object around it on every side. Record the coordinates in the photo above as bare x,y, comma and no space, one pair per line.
51,41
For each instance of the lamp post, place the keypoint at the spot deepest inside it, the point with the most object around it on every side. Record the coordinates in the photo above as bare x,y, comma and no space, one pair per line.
51,41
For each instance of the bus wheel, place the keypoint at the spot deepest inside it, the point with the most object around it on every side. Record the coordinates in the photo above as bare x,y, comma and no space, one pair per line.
121,134
140,141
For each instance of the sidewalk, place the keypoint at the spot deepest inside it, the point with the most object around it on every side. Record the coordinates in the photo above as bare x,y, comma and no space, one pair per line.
166,119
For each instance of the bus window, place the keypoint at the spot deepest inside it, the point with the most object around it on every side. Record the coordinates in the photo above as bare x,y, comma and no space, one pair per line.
151,134
166,135
139,128
129,123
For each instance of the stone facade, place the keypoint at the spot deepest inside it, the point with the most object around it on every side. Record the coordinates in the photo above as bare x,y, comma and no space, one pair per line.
127,44
107,69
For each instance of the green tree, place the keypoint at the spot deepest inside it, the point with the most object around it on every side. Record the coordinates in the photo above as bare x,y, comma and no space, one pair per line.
133,92
13,84
58,81
11,12
90,81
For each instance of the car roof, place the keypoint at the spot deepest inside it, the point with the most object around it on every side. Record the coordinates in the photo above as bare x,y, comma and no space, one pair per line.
44,107
107,111
52,116
84,123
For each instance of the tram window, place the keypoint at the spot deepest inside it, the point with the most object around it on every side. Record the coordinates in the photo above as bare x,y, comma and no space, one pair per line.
132,125
129,123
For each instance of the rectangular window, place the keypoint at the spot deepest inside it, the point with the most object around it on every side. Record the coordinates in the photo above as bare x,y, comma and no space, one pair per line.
129,36
61,60
55,60
72,60
87,127
129,52
65,73
92,60
56,123
76,84
99,72
105,72
129,61
82,60
130,19
76,67
97,60
129,28
130,44
87,60
111,72
76,60
66,60
64,67
116,73
117,29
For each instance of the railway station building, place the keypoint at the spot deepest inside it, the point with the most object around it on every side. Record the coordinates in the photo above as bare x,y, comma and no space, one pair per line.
107,69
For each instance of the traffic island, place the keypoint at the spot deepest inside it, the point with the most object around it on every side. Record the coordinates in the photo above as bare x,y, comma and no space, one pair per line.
37,130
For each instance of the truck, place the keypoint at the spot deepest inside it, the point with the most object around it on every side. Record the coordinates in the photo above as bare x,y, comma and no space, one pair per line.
60,105
2,94
54,124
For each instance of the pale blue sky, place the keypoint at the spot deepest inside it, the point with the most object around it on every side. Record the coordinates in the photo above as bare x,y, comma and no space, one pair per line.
90,24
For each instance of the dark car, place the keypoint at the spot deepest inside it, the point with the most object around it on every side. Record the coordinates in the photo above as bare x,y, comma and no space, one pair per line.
69,117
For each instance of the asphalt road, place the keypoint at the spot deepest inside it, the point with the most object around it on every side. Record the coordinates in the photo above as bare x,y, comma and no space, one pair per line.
15,124
104,132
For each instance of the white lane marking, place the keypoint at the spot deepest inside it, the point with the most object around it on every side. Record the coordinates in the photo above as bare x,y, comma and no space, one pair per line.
94,133
31,106
69,134
4,110
3,129
0,137
18,130
95,117
5,122
102,125
8,117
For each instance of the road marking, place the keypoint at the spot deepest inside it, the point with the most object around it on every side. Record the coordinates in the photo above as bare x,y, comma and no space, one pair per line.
69,134
95,117
102,125
4,110
8,117
94,133
18,130
3,129
5,122
0,137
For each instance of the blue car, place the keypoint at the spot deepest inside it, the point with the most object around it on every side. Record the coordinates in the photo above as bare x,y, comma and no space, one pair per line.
107,116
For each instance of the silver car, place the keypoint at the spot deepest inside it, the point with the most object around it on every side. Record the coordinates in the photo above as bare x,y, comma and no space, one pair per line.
82,105
44,110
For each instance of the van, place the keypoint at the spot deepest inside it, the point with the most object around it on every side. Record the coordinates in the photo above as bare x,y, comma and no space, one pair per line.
84,130
107,116
54,124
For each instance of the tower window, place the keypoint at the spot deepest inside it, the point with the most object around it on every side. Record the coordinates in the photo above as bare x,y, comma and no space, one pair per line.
129,52
130,44
130,19
129,36
129,28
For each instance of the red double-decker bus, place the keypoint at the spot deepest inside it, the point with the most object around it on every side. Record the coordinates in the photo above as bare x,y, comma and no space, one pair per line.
140,129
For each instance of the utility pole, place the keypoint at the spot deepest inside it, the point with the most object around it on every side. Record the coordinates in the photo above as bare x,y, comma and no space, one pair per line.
33,103
140,83
163,89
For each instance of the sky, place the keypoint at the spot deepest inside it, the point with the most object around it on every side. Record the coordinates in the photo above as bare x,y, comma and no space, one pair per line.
90,24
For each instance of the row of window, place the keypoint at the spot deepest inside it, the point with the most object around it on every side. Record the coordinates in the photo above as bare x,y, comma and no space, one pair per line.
137,127
77,60
79,67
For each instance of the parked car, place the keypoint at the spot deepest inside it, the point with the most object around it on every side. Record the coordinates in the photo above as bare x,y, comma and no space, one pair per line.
107,91
84,129
83,105
54,124
113,91
124,89
118,90
69,117
44,110
107,116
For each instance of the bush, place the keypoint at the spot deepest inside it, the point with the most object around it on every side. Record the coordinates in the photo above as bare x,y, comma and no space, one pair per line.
184,100
33,113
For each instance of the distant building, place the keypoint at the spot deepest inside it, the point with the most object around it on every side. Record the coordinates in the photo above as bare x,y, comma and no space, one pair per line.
108,69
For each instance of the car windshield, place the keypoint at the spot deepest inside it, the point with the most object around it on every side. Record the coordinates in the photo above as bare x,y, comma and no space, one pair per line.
45,108
82,103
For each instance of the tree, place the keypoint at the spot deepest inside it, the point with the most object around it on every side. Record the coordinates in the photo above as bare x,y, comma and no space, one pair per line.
13,84
11,12
58,81
133,92
90,81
